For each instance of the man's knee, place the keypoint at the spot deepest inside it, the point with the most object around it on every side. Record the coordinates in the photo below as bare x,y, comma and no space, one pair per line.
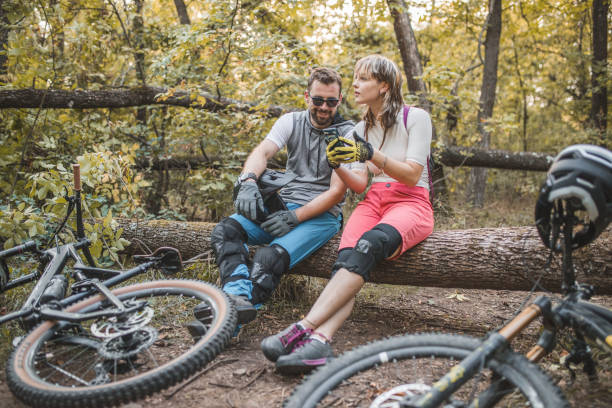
374,245
228,240
269,264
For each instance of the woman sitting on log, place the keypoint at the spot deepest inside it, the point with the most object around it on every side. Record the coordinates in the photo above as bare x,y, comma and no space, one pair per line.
396,214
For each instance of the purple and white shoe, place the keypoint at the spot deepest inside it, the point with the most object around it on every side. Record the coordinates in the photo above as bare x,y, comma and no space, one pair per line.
282,343
307,355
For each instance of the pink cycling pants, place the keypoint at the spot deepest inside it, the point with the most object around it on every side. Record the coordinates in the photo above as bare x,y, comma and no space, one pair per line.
407,209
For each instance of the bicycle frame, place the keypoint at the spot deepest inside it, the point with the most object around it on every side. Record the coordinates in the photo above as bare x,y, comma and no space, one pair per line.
87,277
587,320
86,280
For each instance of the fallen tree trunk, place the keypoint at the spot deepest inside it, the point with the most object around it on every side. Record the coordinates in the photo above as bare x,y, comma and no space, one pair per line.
123,98
448,156
485,258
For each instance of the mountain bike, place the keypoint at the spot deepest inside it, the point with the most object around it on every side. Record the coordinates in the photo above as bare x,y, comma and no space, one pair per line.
445,370
100,347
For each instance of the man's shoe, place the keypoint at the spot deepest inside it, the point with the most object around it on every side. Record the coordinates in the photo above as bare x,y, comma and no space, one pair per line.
245,309
305,357
282,343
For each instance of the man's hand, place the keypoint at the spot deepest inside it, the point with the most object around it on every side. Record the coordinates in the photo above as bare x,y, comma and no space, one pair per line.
280,222
248,200
344,150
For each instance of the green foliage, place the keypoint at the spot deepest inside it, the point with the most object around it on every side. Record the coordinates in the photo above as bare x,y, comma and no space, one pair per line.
259,52
109,189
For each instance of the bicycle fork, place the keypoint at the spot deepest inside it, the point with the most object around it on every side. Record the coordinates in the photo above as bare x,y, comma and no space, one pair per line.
476,361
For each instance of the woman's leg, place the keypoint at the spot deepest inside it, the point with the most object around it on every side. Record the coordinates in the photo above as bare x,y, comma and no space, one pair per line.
329,328
337,294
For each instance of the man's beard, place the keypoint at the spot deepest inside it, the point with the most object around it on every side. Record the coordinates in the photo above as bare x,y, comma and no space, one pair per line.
319,121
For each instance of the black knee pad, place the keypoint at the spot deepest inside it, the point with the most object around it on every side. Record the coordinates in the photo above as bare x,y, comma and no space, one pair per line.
343,256
374,245
269,264
228,240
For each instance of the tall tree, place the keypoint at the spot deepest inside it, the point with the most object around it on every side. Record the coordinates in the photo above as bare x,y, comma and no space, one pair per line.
414,72
478,177
409,51
599,98
4,30
181,9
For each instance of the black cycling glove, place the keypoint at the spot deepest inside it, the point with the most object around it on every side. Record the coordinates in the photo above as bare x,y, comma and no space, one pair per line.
248,200
280,223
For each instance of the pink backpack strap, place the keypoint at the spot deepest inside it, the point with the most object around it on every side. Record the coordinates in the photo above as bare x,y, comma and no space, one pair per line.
431,191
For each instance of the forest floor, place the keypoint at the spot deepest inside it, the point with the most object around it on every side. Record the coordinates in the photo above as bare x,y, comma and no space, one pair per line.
241,376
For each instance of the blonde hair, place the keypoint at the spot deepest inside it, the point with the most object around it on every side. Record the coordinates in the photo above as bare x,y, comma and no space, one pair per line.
383,70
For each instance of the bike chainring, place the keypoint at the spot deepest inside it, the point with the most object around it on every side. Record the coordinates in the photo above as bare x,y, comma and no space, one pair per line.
108,328
128,345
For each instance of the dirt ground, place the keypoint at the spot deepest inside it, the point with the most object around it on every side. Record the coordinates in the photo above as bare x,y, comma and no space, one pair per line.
242,377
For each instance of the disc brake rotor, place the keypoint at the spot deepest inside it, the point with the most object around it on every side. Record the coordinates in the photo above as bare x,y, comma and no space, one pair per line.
393,397
113,327
125,346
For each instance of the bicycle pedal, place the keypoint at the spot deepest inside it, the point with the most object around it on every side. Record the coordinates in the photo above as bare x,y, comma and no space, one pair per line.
197,329
203,312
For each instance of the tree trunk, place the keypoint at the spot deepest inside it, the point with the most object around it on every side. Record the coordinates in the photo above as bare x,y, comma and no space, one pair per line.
414,71
4,30
599,98
139,56
138,96
478,179
485,258
450,156
409,51
181,10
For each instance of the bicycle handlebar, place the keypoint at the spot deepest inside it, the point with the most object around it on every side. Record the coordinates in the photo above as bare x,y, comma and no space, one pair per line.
18,249
76,169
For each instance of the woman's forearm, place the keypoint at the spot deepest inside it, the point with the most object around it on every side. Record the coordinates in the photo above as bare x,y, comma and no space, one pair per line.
406,172
356,180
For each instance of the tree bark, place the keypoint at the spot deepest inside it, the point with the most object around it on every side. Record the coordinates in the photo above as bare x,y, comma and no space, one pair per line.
181,10
450,156
138,96
478,179
494,159
413,69
485,258
4,30
599,97
409,51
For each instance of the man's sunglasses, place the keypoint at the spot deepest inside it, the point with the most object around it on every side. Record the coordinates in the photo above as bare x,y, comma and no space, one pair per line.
319,101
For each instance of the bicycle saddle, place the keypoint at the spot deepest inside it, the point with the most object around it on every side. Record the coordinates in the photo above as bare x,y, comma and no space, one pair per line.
170,261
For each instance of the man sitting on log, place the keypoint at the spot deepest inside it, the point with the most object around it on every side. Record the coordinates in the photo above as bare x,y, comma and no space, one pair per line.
308,213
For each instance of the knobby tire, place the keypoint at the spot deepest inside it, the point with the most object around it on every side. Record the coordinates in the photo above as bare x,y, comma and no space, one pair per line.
54,367
357,377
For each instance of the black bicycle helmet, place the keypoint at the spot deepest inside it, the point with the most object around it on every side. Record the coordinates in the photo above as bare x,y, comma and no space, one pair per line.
580,178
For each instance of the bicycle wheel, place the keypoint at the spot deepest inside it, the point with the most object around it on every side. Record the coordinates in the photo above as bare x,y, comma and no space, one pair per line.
103,362
380,373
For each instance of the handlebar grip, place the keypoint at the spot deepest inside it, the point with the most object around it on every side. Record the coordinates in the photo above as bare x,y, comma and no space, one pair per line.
76,170
18,249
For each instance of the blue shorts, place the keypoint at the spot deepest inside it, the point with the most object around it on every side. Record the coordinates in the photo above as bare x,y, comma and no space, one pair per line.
302,240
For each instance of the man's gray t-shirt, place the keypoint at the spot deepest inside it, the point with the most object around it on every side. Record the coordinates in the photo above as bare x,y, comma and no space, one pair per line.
306,156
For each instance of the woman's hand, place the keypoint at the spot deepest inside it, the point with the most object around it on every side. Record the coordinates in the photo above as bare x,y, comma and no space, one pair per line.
374,169
343,150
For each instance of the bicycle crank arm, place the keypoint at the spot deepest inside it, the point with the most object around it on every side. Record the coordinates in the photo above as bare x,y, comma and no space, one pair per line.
52,314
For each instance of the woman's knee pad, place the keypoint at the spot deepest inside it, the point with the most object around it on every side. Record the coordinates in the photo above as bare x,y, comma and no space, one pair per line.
374,245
